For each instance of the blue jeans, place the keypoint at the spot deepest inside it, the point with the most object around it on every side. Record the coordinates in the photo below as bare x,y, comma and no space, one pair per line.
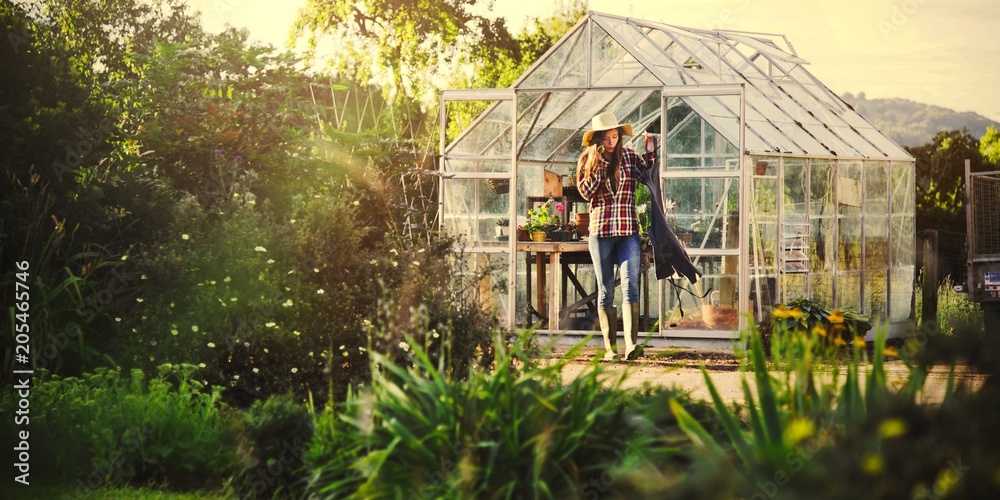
620,250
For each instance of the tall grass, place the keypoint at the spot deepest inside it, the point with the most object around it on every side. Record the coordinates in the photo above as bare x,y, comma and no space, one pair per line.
516,430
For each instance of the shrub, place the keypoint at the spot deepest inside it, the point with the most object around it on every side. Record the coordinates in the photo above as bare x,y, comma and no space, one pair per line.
271,438
110,429
808,316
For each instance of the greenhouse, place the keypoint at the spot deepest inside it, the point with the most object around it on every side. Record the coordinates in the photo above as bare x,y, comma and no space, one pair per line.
740,120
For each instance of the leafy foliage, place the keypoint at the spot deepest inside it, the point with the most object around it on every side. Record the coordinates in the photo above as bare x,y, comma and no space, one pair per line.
515,430
271,438
115,429
808,316
398,45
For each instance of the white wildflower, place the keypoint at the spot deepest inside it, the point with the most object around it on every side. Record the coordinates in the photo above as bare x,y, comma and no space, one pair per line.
260,249
211,345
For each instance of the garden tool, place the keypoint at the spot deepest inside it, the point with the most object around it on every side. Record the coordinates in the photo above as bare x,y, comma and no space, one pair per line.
630,318
609,326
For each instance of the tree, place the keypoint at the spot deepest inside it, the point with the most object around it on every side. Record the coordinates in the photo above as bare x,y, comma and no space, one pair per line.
940,191
399,45
989,145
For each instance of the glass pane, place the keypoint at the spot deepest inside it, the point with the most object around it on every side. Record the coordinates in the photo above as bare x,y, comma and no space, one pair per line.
529,106
876,184
612,64
821,288
796,182
705,128
488,276
876,294
453,165
876,242
821,244
902,241
793,286
471,210
763,243
566,67
903,190
765,196
488,136
849,290
821,188
795,249
707,208
718,310
849,250
543,145
849,193
902,293
763,295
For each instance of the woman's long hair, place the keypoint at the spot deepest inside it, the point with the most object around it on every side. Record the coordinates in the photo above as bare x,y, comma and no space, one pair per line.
588,162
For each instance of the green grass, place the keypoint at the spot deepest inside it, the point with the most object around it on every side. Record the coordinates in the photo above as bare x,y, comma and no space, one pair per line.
69,490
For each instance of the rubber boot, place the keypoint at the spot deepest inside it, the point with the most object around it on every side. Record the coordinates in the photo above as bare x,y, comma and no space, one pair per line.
609,327
630,317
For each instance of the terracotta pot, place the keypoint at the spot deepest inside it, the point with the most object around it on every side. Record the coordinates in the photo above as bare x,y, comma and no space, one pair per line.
522,234
582,222
760,168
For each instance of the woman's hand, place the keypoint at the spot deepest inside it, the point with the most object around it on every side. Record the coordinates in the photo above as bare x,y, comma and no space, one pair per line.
649,142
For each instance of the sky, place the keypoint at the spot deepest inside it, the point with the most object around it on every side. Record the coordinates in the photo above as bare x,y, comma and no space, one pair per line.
942,52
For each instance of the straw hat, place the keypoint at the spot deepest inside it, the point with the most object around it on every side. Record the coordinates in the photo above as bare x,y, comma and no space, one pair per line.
605,121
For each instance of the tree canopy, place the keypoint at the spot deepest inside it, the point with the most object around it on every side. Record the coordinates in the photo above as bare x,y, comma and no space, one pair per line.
400,45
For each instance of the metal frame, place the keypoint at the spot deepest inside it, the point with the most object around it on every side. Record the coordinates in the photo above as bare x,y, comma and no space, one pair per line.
771,69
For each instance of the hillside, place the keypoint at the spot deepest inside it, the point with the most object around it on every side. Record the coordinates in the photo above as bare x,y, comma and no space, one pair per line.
911,123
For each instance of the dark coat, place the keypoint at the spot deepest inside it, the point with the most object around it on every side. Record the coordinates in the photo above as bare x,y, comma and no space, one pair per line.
669,255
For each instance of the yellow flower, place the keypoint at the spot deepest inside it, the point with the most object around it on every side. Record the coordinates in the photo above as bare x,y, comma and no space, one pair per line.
819,331
892,427
840,341
859,342
797,313
835,317
798,430
890,351
872,464
781,312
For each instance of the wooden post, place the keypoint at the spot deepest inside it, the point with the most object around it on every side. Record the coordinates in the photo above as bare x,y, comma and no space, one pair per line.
929,313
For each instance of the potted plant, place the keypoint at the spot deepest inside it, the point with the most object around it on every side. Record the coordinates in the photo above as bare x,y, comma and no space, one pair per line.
503,227
541,220
760,168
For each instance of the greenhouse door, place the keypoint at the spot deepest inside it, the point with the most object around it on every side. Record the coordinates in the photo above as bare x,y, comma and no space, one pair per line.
703,181
476,203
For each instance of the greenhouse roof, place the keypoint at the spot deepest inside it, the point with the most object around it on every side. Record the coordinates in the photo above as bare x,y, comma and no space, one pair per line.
608,62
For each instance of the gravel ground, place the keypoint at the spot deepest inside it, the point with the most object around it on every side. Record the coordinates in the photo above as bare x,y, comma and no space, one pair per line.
681,368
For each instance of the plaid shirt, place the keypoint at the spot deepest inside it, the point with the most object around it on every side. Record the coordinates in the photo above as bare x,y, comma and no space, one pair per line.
612,213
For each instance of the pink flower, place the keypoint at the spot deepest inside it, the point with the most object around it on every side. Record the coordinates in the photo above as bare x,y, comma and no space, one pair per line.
559,207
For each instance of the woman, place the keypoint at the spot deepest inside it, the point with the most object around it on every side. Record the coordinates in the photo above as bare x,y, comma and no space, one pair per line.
607,174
